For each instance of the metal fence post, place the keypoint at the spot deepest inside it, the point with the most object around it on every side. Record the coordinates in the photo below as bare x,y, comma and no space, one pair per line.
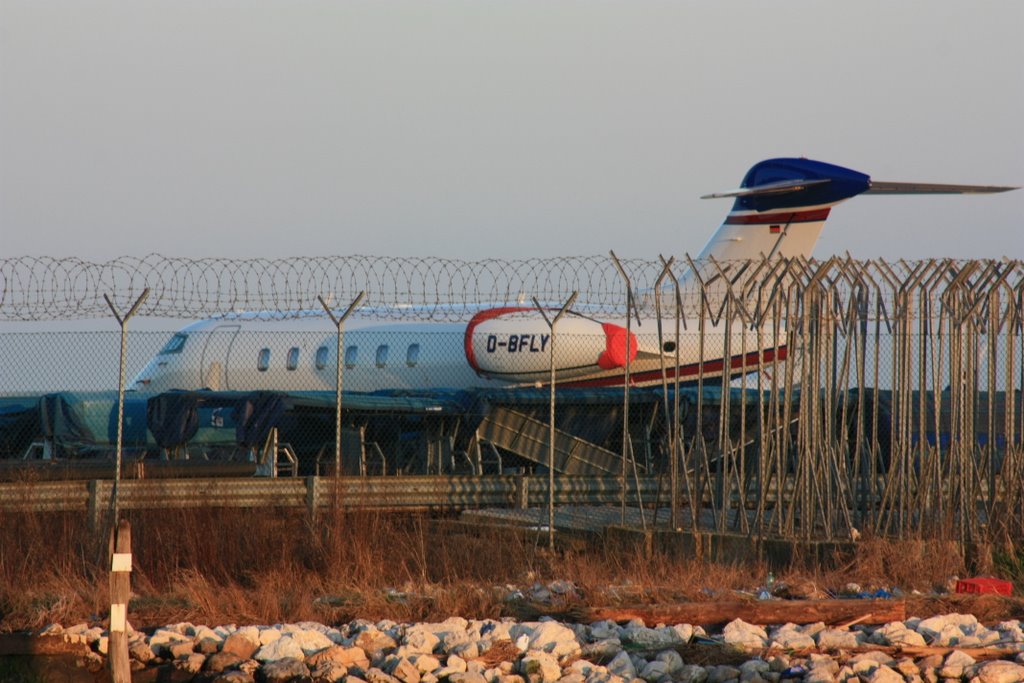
551,414
123,322
339,323
627,443
671,419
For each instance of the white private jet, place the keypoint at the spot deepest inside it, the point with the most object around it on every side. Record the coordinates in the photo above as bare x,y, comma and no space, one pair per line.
779,211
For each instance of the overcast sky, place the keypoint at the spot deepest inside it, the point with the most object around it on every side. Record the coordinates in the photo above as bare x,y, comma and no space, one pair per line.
494,129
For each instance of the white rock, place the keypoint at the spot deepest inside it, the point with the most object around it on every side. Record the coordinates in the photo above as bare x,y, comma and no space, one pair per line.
722,673
883,674
1011,631
837,639
654,671
691,673
602,649
651,638
202,632
548,636
51,630
932,627
582,666
603,630
250,633
956,664
813,629
542,664
1000,672
897,633
280,648
622,666
268,635
454,664
443,629
140,650
789,637
192,664
758,666
311,640
468,677
426,663
684,631
819,675
604,676
741,634
639,661
987,636
421,640
467,649
76,633
496,630
673,660
162,640
872,659
822,662
404,670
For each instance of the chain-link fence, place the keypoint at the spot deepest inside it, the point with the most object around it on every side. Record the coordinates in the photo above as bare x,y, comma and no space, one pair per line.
796,398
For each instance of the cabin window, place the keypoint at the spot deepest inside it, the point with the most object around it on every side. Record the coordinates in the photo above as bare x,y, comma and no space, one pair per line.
351,356
321,358
293,358
669,346
263,361
175,344
382,355
412,355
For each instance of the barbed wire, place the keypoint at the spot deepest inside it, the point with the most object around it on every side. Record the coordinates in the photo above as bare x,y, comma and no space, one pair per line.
46,288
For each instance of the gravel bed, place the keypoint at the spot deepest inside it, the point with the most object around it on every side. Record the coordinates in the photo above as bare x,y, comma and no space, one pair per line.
951,647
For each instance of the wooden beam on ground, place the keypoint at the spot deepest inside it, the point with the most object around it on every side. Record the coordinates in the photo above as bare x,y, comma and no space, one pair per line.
874,611
916,652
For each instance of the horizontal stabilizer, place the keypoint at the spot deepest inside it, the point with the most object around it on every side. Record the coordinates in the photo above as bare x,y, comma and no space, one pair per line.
769,188
880,187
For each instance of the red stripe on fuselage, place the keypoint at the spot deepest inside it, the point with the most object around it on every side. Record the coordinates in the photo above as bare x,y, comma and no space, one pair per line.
779,217
750,361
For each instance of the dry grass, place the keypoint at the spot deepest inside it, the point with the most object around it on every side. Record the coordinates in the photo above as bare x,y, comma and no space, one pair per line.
243,566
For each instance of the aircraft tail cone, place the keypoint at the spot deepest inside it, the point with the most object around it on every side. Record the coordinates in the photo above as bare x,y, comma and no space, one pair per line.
614,354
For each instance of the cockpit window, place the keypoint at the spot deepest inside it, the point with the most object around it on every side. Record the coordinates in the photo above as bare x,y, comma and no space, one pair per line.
175,344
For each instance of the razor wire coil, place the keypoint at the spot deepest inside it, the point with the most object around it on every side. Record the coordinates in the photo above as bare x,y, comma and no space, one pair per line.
48,288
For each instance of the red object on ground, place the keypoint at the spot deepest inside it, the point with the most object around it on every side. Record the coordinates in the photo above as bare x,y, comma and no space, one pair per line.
984,585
